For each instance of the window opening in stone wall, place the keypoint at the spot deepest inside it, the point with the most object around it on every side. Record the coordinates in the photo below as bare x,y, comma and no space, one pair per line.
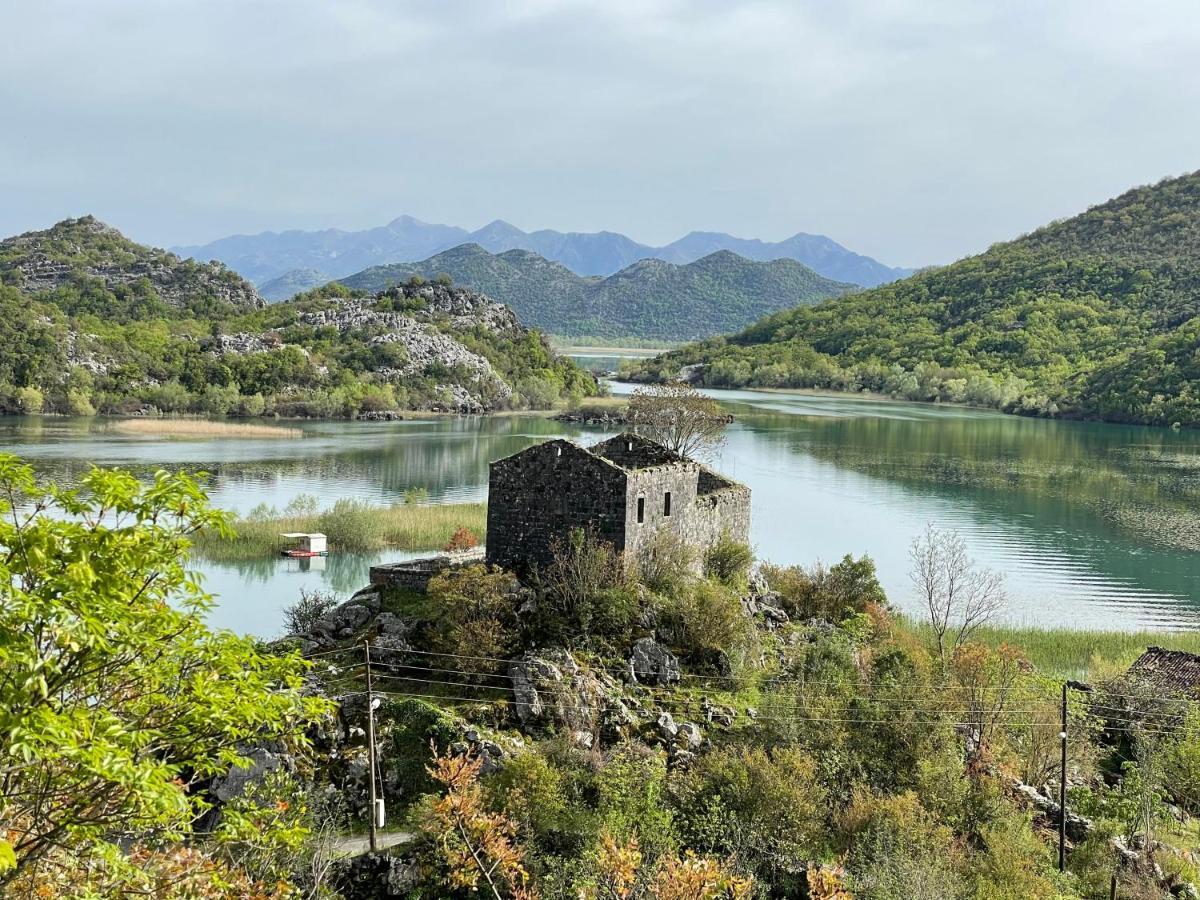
667,503
641,510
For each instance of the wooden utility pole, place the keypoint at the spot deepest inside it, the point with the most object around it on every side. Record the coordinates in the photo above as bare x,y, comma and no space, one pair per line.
371,747
1062,789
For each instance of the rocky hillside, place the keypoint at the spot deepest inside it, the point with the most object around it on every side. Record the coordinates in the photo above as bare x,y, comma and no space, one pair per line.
1097,316
70,261
783,721
269,255
650,299
90,321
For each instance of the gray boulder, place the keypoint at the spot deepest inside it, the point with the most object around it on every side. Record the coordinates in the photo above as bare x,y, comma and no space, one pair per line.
690,735
550,687
652,663
666,726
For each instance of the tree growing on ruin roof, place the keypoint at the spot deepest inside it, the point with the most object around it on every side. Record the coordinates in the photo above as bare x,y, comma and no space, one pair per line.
680,418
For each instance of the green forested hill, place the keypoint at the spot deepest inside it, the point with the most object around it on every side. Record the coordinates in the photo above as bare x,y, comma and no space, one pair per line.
650,299
1095,316
91,321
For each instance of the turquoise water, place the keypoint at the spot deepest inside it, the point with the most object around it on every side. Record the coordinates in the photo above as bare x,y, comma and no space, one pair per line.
1094,525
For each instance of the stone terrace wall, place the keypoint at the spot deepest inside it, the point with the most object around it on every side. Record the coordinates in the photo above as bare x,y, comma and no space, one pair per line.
538,496
415,574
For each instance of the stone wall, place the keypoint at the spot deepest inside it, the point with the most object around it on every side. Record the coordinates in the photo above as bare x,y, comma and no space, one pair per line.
726,511
651,485
538,496
415,574
631,451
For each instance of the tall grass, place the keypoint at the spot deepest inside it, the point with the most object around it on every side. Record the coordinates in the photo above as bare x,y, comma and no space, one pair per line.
350,525
1076,652
203,428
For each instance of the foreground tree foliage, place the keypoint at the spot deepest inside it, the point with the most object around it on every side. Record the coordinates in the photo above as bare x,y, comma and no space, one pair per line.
116,700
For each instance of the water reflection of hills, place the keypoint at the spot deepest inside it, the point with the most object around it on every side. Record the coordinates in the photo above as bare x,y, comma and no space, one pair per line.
449,456
1098,467
1073,511
1082,515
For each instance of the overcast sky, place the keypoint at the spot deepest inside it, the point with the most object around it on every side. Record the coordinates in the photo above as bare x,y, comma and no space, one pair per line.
916,131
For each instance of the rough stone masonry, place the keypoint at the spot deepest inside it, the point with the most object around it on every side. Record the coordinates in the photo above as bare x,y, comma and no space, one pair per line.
625,489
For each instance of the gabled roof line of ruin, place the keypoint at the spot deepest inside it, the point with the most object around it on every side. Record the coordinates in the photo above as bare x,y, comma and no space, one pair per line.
571,444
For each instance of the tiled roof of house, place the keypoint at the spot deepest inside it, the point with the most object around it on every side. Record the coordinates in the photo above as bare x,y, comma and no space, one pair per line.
1173,670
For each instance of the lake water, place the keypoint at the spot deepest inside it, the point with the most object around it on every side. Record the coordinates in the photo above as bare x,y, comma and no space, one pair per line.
1095,526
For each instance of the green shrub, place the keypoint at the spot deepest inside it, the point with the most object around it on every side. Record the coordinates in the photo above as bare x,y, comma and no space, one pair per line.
666,563
412,725
474,614
29,400
79,403
898,850
352,523
1181,764
766,810
729,561
585,593
705,621
832,594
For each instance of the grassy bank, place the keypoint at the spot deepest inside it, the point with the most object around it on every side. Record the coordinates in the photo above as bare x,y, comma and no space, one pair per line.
350,525
1077,652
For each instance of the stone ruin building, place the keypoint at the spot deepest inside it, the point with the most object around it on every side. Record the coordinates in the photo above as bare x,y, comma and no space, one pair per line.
625,489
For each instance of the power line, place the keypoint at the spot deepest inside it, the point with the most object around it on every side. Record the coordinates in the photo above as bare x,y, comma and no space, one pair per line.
897,705
911,703
719,678
415,695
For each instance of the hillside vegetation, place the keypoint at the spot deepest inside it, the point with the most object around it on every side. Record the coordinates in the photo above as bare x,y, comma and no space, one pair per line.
1097,316
650,299
91,321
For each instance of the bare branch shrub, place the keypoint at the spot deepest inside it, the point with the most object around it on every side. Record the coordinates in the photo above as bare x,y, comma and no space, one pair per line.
301,616
679,417
959,596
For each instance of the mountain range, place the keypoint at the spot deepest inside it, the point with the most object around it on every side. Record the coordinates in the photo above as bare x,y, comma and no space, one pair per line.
330,254
650,299
92,322
1095,316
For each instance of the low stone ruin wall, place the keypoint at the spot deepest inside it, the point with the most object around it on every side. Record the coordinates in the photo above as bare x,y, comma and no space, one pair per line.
415,574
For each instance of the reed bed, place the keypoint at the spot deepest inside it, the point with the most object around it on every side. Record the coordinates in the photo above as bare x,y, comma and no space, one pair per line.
350,525
1078,653
203,428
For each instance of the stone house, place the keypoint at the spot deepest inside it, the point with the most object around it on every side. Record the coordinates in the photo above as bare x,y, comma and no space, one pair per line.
1172,672
625,489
